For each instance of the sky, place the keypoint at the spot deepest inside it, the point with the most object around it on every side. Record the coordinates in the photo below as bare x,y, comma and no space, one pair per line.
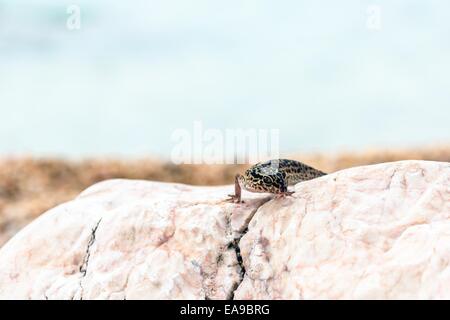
328,75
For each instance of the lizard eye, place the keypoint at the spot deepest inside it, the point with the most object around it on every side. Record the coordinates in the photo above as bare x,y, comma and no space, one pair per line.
267,180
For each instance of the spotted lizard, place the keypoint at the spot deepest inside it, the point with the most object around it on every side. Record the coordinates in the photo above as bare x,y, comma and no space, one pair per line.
273,176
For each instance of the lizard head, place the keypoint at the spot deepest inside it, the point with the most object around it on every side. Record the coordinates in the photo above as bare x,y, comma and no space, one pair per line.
273,182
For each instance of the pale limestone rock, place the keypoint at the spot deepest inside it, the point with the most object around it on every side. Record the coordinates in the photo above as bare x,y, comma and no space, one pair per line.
130,240
380,231
373,232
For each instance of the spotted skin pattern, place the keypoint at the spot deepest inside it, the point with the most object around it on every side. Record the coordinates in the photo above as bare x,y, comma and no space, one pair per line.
273,176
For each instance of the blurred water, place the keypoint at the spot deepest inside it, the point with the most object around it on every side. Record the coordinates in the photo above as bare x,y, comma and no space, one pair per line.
136,71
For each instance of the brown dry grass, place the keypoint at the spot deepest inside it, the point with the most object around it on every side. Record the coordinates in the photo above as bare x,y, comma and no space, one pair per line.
30,186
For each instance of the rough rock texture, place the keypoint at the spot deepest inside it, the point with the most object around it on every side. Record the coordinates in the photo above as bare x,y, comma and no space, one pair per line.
374,232
380,231
125,239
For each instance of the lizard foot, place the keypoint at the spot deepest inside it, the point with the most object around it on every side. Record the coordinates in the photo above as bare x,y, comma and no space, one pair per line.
284,194
234,198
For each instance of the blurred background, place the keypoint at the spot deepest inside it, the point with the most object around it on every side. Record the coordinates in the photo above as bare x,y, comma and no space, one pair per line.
94,90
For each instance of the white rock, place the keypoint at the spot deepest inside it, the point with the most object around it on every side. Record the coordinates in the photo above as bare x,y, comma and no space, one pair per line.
380,231
374,232
124,239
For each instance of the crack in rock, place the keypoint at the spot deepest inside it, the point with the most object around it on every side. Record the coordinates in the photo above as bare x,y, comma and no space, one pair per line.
84,266
234,245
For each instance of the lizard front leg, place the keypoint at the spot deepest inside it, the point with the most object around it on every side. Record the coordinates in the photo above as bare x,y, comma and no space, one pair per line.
236,197
283,192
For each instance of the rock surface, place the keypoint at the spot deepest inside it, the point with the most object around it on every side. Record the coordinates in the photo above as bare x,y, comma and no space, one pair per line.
374,232
380,231
125,239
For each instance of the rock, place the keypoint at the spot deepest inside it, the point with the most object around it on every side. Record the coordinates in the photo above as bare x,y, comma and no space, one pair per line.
380,231
125,239
373,232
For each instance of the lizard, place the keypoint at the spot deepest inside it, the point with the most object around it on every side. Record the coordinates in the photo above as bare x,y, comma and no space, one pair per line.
273,176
